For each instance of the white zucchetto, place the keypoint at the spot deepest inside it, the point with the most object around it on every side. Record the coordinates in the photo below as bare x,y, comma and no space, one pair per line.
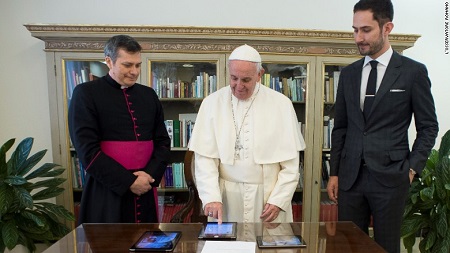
245,53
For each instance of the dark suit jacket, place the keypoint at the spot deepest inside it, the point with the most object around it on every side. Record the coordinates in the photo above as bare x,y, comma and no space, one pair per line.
382,141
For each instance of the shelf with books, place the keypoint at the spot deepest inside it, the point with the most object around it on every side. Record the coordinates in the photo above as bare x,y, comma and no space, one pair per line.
289,79
183,80
304,64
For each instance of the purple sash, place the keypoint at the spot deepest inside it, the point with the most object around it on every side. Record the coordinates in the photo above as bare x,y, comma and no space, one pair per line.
132,155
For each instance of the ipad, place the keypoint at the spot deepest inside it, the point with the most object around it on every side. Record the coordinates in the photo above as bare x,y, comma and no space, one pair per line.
280,241
156,241
215,231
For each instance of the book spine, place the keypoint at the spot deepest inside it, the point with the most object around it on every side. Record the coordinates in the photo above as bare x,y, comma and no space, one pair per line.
169,128
176,133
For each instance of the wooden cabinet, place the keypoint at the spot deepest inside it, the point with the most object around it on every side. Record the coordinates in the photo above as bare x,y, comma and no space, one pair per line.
309,60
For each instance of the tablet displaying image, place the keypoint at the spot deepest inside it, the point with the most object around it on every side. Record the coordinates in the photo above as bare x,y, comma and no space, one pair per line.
213,230
280,241
156,241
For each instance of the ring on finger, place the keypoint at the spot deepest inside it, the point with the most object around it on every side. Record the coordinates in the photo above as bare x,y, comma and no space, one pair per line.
210,214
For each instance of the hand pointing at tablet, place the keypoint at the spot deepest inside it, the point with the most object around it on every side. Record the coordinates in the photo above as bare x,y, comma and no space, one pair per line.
214,210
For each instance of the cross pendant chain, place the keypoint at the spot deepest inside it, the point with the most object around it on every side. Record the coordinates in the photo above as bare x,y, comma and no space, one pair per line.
237,148
238,145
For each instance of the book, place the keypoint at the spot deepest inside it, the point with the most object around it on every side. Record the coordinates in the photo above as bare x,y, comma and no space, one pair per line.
169,128
183,179
336,75
325,172
187,121
168,178
75,182
76,211
160,208
301,176
326,94
176,175
330,130
331,94
176,133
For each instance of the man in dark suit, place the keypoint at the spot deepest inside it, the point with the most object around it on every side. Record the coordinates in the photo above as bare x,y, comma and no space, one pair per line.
370,156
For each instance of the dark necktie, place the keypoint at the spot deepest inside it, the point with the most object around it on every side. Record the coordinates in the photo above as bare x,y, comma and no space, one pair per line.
371,89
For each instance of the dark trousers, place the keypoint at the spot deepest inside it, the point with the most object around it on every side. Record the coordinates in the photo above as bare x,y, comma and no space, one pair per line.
367,198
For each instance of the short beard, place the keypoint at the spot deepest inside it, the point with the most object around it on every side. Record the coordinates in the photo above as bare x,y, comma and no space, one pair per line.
374,48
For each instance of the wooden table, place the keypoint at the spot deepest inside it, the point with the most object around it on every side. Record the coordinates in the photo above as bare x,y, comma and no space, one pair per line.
320,237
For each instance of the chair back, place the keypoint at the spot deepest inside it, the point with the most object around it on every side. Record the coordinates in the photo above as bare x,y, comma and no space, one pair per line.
193,205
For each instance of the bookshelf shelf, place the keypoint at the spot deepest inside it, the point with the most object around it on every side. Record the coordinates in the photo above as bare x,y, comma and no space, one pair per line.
194,100
306,61
179,149
184,189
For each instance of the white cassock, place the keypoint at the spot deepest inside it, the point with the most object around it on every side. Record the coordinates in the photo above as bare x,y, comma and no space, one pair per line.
267,170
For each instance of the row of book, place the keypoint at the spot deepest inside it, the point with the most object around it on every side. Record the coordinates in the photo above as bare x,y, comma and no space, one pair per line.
328,125
294,87
301,176
165,211
180,130
328,211
78,173
331,85
76,72
82,71
203,85
173,176
297,211
325,170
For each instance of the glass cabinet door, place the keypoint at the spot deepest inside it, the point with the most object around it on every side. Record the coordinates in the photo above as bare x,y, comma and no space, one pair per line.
330,69
73,71
181,85
328,209
291,76
77,72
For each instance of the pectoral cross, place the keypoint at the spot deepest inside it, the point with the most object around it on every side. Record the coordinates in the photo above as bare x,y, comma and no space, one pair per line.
237,148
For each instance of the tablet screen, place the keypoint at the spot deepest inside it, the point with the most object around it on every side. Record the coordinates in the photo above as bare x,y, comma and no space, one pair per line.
280,241
157,241
213,230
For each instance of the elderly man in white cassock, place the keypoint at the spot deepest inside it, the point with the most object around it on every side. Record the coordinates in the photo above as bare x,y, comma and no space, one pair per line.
246,142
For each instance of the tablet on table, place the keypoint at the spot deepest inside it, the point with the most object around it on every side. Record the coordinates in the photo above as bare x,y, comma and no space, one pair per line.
156,241
280,241
215,231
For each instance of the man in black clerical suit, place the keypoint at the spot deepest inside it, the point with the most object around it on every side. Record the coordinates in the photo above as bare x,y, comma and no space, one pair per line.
117,128
372,165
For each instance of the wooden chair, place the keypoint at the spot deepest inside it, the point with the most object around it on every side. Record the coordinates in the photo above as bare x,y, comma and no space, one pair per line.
193,202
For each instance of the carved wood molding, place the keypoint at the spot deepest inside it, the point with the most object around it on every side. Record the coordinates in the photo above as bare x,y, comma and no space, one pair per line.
59,37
